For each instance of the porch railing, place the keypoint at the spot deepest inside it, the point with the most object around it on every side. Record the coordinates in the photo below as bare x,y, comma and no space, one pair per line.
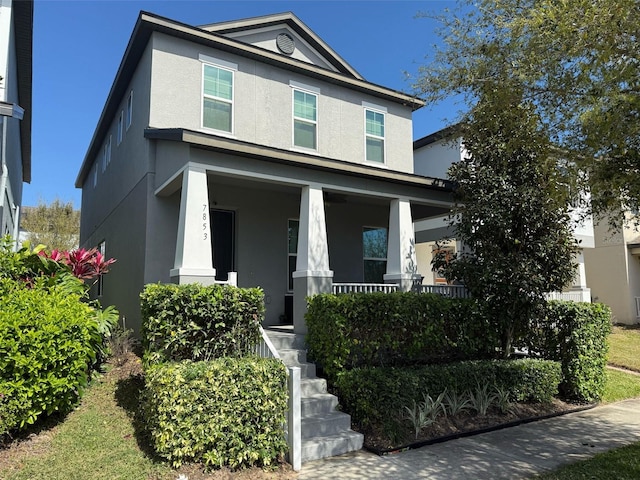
293,430
567,296
338,288
451,291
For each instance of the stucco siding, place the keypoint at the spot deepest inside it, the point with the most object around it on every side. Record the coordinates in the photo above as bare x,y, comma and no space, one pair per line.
263,105
607,273
129,163
434,160
123,232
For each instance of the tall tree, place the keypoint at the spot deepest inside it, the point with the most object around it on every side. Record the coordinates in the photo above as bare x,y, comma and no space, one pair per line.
510,212
57,226
577,63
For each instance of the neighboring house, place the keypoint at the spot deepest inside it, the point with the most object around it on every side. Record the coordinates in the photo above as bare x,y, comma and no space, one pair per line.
16,40
252,147
433,155
613,270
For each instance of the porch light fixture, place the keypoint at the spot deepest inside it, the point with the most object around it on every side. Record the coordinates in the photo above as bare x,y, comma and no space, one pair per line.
11,110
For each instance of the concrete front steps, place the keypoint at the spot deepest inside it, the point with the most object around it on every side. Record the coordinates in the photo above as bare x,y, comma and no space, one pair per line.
325,431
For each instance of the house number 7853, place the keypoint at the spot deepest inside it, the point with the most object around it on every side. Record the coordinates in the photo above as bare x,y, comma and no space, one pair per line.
205,217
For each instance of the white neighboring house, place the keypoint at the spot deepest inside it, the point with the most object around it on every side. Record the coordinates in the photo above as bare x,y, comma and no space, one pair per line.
432,156
16,40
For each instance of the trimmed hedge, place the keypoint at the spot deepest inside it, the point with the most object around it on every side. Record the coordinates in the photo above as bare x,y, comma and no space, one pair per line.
396,329
576,335
195,322
49,339
372,396
228,411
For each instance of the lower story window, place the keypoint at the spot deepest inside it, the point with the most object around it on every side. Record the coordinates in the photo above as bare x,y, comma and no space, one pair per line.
374,248
292,245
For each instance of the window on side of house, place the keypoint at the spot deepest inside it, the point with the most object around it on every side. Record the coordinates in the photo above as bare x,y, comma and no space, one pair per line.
374,135
102,250
292,245
104,157
95,175
108,150
120,127
374,249
129,109
217,102
305,119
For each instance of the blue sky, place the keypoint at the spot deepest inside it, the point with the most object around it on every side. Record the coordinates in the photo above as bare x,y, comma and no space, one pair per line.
78,45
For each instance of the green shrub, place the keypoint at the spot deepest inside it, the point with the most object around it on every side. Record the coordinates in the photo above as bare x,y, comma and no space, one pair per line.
195,322
576,335
371,394
402,328
227,411
49,339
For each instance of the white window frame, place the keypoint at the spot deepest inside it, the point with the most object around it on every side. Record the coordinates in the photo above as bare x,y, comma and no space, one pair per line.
223,65
109,150
129,118
301,87
120,127
383,111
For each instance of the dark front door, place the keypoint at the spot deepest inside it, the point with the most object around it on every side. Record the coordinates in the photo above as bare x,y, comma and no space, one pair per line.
223,242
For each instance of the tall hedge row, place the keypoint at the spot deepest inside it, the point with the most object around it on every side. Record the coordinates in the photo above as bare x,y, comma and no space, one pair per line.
405,328
195,322
395,329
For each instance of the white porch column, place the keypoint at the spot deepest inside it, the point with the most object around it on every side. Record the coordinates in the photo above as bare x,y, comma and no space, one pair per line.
312,273
580,279
402,266
193,261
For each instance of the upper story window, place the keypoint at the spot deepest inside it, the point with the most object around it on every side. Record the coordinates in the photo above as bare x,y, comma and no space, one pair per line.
217,103
95,175
374,134
305,119
120,128
129,109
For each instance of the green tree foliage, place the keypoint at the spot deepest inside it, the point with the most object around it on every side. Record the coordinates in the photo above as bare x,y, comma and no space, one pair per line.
577,63
57,225
510,212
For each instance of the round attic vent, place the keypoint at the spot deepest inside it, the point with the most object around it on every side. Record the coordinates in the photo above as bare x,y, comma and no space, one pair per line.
285,43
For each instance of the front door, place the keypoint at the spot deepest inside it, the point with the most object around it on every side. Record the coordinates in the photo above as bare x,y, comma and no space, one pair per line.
223,242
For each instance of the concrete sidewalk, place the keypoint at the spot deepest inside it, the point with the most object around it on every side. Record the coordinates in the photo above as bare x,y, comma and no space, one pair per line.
511,453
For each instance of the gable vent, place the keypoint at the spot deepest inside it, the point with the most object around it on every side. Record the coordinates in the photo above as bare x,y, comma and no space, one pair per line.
285,43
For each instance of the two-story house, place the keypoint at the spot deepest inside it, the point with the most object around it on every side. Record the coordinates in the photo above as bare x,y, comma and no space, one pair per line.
16,45
251,147
433,155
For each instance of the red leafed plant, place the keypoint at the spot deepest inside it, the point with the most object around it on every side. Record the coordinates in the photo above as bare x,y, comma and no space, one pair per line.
84,264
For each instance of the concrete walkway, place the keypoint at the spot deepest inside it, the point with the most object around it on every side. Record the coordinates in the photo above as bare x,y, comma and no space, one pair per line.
512,453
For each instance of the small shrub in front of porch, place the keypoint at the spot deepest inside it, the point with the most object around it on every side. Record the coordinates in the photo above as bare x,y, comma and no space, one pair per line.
195,322
223,412
207,397
370,394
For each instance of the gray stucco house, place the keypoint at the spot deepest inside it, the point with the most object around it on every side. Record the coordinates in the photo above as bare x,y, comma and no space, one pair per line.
16,45
252,147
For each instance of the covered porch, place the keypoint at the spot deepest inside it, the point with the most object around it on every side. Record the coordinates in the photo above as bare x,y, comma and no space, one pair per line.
297,232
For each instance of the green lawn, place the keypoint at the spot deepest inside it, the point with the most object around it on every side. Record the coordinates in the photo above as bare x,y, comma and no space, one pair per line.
97,441
624,342
620,464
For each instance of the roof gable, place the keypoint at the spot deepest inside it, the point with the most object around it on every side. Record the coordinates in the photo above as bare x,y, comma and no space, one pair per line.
286,35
